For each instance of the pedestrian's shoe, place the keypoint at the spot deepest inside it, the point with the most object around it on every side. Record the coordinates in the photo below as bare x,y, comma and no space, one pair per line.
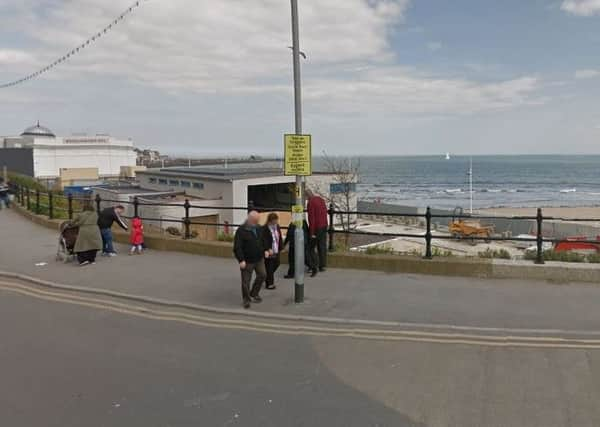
271,287
288,276
322,269
246,305
314,272
111,254
84,263
257,299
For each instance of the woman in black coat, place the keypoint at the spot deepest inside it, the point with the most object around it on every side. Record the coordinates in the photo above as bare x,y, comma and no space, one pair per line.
273,244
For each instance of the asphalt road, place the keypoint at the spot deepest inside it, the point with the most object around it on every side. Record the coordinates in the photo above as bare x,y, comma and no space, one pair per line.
63,364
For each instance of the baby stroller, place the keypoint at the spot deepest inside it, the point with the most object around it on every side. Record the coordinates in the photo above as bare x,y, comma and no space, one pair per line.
66,242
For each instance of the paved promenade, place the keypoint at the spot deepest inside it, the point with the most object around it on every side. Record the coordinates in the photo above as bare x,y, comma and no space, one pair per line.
30,249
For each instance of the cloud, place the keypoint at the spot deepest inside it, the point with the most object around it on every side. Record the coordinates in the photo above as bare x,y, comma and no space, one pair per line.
586,74
434,46
13,56
391,91
581,7
240,47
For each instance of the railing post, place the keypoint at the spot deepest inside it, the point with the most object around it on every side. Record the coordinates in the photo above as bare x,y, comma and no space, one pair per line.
70,205
37,201
186,223
98,201
136,206
22,195
28,199
50,205
331,227
428,235
540,238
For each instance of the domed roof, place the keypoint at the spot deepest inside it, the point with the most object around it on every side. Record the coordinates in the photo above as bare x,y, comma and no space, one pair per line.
38,130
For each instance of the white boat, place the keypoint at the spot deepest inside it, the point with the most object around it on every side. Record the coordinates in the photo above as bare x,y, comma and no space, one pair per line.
569,190
447,156
453,190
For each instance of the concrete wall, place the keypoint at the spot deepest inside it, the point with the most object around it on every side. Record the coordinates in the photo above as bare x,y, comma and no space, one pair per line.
18,160
49,159
162,215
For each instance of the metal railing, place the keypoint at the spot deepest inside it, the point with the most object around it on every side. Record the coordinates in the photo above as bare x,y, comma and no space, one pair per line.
71,205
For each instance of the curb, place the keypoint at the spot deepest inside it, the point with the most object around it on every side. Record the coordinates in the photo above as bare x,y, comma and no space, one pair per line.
393,326
197,307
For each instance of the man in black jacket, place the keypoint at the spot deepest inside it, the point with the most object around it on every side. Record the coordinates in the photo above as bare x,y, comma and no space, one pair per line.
106,219
250,253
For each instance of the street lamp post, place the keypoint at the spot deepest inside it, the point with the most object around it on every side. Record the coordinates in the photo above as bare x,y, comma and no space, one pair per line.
299,234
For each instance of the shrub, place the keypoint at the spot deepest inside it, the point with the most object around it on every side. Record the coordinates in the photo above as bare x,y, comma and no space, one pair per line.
173,231
225,237
552,255
444,253
495,253
435,252
593,258
379,250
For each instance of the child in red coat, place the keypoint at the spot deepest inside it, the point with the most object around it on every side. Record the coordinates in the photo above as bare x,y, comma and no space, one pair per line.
137,236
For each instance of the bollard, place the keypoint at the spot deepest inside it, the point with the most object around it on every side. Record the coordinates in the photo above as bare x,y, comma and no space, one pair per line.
70,205
428,236
331,228
98,201
136,206
50,205
37,201
186,223
539,259
22,196
28,201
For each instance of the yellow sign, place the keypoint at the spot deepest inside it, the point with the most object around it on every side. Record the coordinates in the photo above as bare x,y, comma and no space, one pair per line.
298,155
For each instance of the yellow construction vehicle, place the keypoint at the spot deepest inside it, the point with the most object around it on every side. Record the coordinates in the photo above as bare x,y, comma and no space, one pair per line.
461,228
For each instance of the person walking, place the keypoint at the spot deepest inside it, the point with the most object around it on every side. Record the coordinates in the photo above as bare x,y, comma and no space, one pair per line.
106,219
4,196
137,236
290,239
317,230
250,254
89,240
273,244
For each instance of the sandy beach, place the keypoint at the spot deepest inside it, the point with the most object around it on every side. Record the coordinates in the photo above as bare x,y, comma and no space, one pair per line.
562,212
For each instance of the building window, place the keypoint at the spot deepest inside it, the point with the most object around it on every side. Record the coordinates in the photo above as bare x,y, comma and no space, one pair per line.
152,180
163,181
342,188
174,182
186,184
198,186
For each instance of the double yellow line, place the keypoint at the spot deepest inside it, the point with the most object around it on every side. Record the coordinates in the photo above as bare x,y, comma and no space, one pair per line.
154,311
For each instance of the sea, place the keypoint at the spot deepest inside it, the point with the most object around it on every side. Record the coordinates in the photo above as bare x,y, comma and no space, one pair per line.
498,181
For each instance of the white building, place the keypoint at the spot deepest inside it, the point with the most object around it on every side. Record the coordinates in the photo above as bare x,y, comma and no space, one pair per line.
38,152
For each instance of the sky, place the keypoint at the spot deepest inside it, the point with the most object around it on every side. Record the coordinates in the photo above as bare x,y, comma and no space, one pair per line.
381,77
